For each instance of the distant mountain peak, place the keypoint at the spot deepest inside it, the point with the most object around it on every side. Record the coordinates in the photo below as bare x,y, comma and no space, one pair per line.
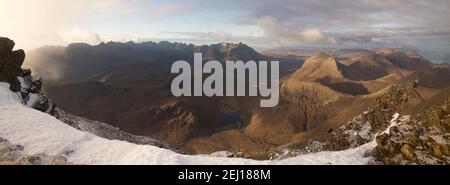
320,65
386,51
78,45
320,56
230,51
411,53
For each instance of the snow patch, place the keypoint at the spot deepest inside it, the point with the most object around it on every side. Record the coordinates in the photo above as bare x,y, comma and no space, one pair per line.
6,96
22,83
32,98
4,85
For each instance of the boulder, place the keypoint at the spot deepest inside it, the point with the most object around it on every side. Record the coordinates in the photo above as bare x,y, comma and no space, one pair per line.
408,152
437,150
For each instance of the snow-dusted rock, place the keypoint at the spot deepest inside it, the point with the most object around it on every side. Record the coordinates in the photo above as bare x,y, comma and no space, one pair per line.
14,155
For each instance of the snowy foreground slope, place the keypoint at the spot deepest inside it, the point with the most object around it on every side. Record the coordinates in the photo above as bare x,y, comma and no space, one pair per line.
41,133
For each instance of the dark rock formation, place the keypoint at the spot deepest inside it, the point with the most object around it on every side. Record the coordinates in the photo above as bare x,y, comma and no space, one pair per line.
30,91
20,80
10,63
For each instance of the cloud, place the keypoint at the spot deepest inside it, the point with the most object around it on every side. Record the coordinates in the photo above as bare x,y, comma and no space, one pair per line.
278,33
275,34
315,35
32,24
115,6
139,6
174,8
206,37
364,22
80,35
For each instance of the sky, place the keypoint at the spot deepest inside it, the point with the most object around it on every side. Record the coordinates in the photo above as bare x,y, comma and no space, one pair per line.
415,24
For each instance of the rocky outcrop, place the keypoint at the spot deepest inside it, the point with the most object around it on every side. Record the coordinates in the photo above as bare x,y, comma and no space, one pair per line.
363,128
14,155
20,80
30,91
424,139
10,63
